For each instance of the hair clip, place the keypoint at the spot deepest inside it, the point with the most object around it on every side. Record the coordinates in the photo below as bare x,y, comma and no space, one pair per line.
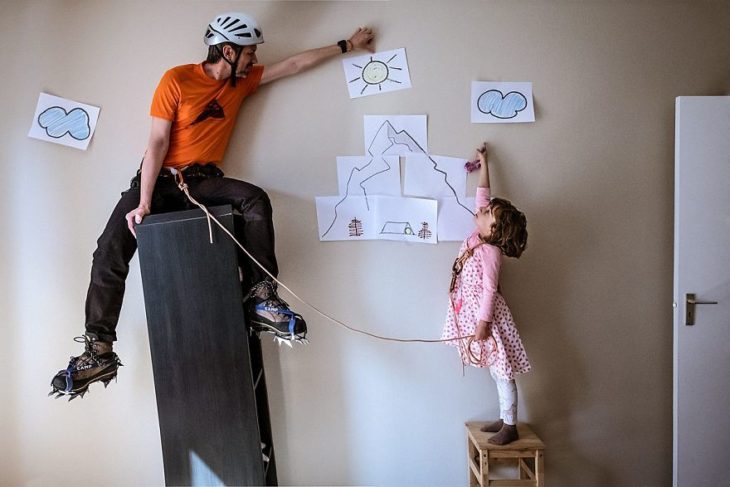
472,166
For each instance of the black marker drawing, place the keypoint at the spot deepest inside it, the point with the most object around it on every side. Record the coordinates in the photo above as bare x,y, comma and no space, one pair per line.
386,71
386,137
63,121
496,104
396,228
375,73
355,228
57,123
424,233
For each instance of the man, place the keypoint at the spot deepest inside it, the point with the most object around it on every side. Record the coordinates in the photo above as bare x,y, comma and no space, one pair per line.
193,113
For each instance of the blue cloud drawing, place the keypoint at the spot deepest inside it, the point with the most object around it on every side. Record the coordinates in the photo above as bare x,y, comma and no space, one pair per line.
501,106
58,123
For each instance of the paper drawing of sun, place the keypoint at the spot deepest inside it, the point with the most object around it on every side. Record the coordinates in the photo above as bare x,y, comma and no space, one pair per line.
378,73
375,73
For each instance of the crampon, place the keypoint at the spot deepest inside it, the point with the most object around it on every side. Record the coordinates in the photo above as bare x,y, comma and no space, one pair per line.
268,313
98,363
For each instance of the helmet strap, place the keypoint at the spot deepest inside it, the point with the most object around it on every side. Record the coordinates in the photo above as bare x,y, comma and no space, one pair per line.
232,64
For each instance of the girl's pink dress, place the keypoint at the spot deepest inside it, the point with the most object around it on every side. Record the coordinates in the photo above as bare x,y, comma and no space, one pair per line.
476,297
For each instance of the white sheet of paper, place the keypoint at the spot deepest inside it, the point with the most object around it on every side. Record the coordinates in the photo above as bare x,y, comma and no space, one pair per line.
346,218
395,134
501,102
377,218
63,121
434,176
407,219
377,73
364,176
455,222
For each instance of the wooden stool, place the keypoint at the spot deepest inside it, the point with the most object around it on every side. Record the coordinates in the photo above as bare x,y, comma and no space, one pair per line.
481,455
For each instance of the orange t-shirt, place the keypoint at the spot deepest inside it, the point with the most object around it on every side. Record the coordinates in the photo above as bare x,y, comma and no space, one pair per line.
202,111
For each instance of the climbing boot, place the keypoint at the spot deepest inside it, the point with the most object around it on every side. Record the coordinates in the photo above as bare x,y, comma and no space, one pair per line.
267,312
97,363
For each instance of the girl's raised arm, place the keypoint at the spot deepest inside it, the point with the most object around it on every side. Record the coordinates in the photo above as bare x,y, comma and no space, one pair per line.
484,169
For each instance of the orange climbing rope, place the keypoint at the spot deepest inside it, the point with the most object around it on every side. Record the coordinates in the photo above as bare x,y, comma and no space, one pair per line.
184,188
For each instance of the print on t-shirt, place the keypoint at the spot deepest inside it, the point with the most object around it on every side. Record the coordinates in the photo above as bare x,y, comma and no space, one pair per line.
213,109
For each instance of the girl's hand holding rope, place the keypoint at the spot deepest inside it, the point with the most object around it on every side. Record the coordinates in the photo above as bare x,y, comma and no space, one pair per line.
482,331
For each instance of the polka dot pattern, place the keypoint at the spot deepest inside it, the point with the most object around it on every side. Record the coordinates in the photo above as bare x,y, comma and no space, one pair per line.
505,354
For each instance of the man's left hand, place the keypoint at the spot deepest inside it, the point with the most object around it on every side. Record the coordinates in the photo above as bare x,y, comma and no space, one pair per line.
363,38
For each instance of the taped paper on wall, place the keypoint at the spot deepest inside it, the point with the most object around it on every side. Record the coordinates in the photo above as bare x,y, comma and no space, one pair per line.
455,224
395,134
63,121
377,73
377,218
501,102
434,176
407,219
370,206
368,175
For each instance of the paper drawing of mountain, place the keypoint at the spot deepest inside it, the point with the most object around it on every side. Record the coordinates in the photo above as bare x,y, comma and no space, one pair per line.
370,189
389,140
362,179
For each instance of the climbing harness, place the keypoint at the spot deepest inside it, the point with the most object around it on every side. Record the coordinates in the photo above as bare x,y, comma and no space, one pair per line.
474,358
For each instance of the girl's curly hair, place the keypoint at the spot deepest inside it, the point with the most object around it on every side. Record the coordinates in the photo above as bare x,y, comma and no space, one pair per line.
509,230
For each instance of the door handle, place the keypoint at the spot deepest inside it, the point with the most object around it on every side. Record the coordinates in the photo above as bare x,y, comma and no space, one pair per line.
690,302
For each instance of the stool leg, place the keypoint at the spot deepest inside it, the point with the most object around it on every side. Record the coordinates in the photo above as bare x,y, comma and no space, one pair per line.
539,469
471,453
484,481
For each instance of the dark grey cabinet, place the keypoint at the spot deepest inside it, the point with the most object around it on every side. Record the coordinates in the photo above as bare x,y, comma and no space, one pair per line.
208,371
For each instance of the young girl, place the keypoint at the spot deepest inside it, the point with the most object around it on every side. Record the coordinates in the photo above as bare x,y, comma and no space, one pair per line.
477,308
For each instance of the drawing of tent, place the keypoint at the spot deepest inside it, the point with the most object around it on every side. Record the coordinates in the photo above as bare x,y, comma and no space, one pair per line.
397,228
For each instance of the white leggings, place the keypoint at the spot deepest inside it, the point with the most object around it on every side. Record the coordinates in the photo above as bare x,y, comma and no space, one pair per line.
507,391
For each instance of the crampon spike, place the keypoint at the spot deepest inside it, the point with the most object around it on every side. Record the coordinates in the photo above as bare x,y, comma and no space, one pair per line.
290,340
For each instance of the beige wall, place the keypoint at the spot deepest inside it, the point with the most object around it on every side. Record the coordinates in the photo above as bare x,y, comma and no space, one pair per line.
592,296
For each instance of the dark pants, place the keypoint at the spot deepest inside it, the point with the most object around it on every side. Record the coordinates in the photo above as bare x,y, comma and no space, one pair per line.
117,245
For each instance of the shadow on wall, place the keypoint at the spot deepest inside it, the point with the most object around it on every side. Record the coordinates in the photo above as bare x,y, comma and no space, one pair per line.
553,391
539,291
312,417
9,458
308,386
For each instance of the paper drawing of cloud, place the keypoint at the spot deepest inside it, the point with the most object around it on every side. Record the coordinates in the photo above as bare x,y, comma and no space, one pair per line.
494,103
58,123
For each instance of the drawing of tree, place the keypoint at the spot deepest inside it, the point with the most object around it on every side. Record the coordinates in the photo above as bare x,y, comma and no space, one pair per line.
424,233
355,228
